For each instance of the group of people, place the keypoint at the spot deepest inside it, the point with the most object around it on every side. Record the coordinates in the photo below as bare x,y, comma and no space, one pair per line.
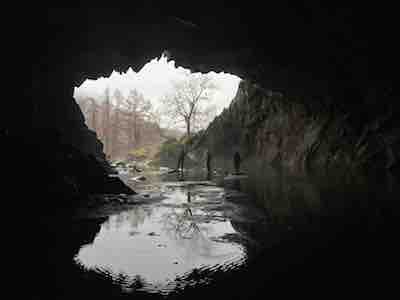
183,152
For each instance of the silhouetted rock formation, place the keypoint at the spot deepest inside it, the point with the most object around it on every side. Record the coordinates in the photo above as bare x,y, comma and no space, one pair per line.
55,175
315,52
303,133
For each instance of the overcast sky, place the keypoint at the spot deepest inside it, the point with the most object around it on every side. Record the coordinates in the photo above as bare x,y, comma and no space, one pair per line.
155,80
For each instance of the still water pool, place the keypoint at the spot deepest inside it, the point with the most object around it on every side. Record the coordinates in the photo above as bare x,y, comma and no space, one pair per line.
273,234
159,245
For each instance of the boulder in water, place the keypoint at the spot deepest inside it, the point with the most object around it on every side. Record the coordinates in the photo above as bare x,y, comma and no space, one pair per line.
139,178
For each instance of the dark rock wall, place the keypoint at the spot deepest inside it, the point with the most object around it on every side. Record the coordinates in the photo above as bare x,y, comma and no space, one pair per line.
298,49
48,175
306,133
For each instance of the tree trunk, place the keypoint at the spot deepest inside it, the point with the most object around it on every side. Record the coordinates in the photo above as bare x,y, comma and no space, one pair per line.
135,128
130,134
188,132
114,134
106,127
93,119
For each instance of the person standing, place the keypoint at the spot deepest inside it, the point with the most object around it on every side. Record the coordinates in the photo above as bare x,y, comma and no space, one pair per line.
208,161
236,162
181,158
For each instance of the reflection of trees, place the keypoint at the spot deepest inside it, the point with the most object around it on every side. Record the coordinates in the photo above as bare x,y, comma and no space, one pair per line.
138,215
134,217
184,227
181,223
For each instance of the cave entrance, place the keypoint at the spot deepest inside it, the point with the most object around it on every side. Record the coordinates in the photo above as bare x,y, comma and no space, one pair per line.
133,113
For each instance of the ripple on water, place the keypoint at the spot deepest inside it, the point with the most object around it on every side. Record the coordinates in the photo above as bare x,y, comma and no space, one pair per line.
183,240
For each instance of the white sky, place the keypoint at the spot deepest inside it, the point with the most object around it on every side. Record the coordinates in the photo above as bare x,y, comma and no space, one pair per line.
155,80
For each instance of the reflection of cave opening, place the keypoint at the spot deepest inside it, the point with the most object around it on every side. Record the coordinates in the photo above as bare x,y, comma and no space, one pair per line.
133,113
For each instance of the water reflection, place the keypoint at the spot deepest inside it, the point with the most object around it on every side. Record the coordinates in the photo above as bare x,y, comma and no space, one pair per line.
148,246
327,233
198,226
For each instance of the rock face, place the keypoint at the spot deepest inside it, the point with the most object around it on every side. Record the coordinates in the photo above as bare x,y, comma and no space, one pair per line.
305,133
299,50
55,176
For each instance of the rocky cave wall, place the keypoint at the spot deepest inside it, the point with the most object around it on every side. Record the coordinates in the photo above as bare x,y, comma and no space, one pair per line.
305,133
303,50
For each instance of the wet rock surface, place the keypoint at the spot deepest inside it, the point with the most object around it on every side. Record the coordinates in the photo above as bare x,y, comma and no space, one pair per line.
353,64
304,134
309,49
279,230
58,174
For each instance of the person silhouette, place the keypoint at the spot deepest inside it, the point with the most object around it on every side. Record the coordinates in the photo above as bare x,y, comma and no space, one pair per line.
236,162
181,160
208,161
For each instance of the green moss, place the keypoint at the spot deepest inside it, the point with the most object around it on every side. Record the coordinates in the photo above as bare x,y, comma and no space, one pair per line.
140,153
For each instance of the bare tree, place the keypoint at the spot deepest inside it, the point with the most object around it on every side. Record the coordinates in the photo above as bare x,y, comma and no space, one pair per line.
93,110
89,108
136,109
116,122
187,102
106,121
121,121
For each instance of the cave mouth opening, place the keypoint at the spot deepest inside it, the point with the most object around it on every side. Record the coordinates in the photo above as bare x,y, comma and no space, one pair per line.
133,113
